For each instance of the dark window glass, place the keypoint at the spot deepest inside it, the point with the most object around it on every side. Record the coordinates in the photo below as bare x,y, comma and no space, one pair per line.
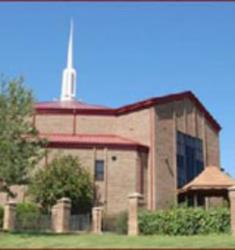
181,170
189,158
99,170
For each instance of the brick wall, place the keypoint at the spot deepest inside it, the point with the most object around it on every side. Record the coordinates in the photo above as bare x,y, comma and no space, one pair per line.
155,127
138,126
179,116
120,174
135,126
213,147
95,124
165,164
54,123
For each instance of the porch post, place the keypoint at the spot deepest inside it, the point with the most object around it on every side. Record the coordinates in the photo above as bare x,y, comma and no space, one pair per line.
195,200
231,193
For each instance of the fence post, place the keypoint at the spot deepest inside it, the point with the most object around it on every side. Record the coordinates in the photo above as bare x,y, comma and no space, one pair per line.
54,217
133,205
61,213
9,219
97,213
231,192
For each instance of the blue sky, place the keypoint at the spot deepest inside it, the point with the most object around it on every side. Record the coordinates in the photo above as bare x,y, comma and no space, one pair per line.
126,52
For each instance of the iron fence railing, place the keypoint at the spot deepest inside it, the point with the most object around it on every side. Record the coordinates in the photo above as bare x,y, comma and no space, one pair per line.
80,222
43,223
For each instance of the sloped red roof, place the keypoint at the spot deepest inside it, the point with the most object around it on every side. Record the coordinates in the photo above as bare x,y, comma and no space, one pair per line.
89,141
210,178
68,105
76,107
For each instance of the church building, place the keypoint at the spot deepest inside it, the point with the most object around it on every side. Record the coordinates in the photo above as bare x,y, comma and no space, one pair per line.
153,147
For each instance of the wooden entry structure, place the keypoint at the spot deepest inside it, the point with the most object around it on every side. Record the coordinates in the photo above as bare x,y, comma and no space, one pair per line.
211,182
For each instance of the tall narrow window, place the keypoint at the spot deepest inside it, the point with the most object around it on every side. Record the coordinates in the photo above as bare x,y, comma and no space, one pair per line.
99,170
189,158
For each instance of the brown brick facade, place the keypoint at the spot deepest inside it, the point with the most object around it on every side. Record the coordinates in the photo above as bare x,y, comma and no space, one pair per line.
54,123
120,174
180,116
151,173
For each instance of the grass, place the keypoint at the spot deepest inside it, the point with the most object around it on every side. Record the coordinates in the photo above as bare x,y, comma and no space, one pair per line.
8,240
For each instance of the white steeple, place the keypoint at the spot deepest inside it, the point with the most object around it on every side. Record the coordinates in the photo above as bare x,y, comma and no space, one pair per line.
68,92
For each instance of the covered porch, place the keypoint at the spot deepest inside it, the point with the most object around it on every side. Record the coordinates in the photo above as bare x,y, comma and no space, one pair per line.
209,188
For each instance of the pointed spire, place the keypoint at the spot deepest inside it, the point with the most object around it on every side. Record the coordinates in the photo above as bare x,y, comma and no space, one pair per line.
70,47
68,92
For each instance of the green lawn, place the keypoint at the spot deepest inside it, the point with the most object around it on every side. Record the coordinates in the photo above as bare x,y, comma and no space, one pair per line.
110,240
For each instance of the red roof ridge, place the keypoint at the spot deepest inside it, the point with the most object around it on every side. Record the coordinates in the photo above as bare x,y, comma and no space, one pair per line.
68,105
169,98
93,135
91,140
101,110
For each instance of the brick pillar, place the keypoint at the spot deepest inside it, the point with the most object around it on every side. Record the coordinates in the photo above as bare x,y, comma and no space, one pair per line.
231,193
9,216
97,213
61,213
54,217
133,205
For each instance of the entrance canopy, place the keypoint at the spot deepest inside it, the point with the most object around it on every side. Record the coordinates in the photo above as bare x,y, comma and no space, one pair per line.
211,181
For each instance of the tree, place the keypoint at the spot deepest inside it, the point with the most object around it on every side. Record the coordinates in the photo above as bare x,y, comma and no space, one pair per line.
20,147
63,177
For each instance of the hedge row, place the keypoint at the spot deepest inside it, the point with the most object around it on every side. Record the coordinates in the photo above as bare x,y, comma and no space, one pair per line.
185,221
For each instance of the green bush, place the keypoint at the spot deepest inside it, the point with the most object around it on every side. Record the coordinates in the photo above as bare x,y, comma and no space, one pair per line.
109,223
185,221
64,176
121,223
27,216
1,216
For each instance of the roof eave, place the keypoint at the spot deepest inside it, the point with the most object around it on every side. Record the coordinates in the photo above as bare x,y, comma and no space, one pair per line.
89,145
134,107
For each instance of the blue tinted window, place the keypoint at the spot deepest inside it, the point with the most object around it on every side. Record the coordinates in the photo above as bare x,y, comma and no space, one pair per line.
189,158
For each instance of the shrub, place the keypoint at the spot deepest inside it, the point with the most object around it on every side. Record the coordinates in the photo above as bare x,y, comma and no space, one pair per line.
109,223
27,216
185,221
64,176
121,223
1,216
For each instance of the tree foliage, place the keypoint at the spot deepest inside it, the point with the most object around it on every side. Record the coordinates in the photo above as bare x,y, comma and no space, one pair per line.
63,177
19,142
27,217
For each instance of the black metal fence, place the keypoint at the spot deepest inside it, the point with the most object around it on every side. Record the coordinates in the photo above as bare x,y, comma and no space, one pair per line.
80,222
34,223
43,223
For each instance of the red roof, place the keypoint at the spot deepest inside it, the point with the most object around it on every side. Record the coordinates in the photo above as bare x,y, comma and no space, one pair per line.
210,178
68,105
76,107
90,141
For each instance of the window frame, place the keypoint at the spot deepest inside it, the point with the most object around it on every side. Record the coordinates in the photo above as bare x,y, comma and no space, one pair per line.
99,173
190,160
